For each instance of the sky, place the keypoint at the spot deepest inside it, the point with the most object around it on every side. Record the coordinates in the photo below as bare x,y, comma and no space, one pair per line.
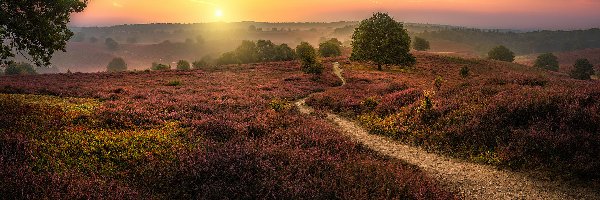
513,14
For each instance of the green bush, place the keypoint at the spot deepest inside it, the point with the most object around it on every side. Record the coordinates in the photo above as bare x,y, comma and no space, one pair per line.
547,61
421,44
183,65
464,71
174,83
308,58
330,48
158,66
582,70
501,53
19,68
116,65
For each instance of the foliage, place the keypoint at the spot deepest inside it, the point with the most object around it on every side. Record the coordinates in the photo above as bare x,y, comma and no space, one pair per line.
117,65
547,61
382,40
464,71
174,83
111,44
420,44
160,66
501,53
330,48
261,51
38,28
582,70
437,83
203,63
19,69
183,65
308,58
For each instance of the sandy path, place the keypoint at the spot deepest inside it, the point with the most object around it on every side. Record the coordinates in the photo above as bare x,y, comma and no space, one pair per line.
473,181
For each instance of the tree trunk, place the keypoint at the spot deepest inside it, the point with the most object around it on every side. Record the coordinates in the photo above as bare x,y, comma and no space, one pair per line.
379,67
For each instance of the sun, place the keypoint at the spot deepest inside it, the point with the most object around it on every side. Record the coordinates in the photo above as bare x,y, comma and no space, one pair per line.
218,13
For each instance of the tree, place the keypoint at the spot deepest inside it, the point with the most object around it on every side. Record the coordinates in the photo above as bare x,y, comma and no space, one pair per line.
35,27
382,40
501,53
111,44
116,65
420,44
19,69
583,70
183,65
284,53
228,58
330,48
93,39
547,61
265,50
202,63
246,52
308,58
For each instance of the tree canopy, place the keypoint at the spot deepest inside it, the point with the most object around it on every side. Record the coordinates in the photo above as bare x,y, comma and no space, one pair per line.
501,53
330,48
117,65
19,69
547,61
420,44
37,28
308,58
382,40
582,70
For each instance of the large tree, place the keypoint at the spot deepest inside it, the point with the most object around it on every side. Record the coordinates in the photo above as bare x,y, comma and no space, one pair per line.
382,40
35,29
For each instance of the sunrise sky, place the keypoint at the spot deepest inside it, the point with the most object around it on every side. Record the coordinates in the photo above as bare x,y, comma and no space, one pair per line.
530,14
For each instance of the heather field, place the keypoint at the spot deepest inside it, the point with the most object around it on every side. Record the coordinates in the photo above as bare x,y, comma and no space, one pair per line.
498,113
219,133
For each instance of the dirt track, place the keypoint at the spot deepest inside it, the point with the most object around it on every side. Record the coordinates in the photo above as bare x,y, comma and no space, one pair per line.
473,181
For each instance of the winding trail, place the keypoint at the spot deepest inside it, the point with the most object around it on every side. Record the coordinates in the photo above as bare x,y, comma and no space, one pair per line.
473,181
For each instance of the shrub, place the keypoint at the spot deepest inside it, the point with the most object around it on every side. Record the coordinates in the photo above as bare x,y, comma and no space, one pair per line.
19,68
501,53
330,48
265,50
111,44
437,83
583,70
159,66
246,52
183,65
382,40
547,61
284,53
228,58
464,71
420,44
202,63
116,65
308,58
174,83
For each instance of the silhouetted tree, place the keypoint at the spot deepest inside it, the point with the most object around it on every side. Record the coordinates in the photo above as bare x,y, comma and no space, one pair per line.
382,40
582,70
116,65
159,66
420,44
547,61
501,53
37,28
308,58
111,44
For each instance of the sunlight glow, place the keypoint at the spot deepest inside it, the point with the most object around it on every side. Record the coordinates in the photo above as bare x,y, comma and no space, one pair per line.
218,13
